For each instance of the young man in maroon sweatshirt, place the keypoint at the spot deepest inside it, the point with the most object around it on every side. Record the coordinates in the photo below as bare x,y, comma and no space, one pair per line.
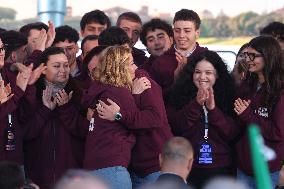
166,68
157,36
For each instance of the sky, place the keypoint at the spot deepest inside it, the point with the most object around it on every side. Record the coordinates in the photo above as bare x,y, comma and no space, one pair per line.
28,8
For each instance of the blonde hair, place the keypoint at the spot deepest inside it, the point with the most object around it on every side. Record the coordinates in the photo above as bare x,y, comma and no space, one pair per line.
113,68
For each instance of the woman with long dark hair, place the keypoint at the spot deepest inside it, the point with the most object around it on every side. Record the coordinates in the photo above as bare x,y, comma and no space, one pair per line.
199,107
261,101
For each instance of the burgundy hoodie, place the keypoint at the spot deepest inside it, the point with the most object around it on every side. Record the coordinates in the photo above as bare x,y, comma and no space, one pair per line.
109,143
51,147
188,123
150,126
20,106
271,127
163,68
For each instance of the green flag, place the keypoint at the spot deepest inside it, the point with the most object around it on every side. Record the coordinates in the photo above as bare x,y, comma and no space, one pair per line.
262,177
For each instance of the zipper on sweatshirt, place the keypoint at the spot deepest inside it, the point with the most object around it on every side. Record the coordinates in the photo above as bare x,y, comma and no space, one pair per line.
54,155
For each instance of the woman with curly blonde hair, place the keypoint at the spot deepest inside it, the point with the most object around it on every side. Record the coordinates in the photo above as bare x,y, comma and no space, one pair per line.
109,143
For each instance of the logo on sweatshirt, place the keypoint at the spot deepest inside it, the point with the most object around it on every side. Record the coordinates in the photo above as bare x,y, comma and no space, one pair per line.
92,124
261,111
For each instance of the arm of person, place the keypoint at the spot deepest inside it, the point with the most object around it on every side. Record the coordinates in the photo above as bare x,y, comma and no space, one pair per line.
271,127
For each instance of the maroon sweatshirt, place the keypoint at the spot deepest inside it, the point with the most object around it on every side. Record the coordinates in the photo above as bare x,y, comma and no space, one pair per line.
148,64
19,107
163,68
188,123
271,127
150,126
109,143
50,148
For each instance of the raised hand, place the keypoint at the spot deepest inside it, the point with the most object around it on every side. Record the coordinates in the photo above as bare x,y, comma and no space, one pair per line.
23,77
46,98
182,61
210,101
241,105
50,34
39,43
62,97
107,111
5,92
202,95
139,85
35,74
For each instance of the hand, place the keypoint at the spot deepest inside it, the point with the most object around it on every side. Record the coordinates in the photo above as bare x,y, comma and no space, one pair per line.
2,54
107,111
62,97
90,113
241,105
50,34
23,77
46,98
210,102
182,61
36,74
202,96
140,85
39,43
5,92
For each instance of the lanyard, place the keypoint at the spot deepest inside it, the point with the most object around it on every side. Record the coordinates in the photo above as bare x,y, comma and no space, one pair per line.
9,120
206,125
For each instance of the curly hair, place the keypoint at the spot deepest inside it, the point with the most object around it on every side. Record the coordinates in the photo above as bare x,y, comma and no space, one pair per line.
66,33
114,67
184,90
273,70
187,15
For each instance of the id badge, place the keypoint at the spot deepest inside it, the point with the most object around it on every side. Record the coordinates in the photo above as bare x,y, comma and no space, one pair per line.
205,154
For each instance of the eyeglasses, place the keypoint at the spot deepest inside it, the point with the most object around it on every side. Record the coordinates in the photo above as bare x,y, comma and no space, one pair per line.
251,56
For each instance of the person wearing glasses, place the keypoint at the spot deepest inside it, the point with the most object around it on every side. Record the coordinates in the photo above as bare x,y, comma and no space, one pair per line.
241,68
261,101
67,37
200,108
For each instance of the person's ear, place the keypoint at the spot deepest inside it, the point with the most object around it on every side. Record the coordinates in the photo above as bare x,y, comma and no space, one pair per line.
171,40
14,56
189,164
197,33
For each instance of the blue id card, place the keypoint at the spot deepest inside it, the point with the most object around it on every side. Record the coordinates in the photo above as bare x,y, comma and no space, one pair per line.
205,153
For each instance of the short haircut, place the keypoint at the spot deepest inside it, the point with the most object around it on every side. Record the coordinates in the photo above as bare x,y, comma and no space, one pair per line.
131,16
113,36
11,176
275,29
36,25
88,38
96,16
48,52
66,33
94,52
154,24
12,41
176,149
187,15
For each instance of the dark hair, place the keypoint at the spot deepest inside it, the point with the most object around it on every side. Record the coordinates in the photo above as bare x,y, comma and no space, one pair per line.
2,30
273,70
242,66
11,176
152,25
96,16
36,25
188,15
48,52
66,33
94,52
131,16
242,48
12,41
88,38
275,29
113,36
184,90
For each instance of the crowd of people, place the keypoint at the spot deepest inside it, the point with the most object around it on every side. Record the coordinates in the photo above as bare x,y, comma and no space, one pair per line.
129,120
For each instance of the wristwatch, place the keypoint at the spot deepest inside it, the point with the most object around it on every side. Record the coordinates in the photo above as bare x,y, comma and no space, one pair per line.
118,116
